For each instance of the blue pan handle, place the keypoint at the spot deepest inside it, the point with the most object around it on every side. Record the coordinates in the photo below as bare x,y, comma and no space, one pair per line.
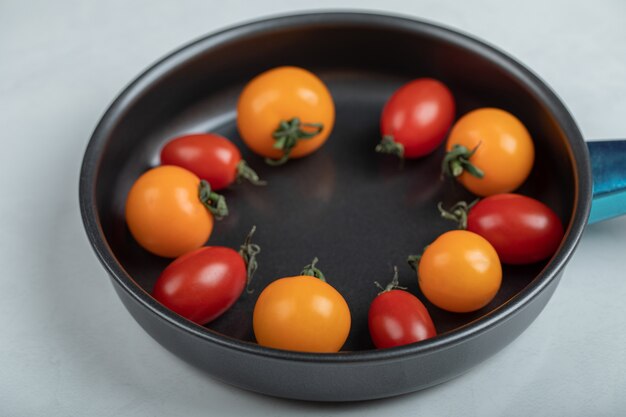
608,164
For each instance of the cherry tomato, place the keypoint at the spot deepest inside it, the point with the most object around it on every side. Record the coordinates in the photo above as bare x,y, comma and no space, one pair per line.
489,152
201,285
168,211
459,272
398,318
211,157
416,118
521,229
302,313
283,113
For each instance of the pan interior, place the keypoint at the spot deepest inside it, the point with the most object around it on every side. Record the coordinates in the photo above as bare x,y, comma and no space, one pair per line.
359,212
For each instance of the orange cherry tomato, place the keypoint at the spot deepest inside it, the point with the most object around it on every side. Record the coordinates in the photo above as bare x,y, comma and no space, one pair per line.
286,112
460,272
301,313
165,213
489,151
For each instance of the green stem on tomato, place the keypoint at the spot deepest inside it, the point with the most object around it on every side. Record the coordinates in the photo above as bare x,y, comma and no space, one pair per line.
244,172
393,285
457,213
213,202
249,252
389,146
457,161
311,270
414,260
287,135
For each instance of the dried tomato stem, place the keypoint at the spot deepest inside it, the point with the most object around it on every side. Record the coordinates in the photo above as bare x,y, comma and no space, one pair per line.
457,213
393,285
249,252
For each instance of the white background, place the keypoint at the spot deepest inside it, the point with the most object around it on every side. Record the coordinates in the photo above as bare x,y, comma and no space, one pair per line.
68,347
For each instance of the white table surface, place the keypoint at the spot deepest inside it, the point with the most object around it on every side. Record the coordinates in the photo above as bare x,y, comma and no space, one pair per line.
69,348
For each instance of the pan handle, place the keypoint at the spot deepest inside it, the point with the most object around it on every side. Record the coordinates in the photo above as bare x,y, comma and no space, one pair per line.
608,164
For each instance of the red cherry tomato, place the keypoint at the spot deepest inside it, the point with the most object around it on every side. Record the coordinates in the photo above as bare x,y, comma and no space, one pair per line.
416,118
202,284
211,157
521,229
398,318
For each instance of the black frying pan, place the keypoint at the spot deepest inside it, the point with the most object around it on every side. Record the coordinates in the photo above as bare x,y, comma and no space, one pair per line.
354,209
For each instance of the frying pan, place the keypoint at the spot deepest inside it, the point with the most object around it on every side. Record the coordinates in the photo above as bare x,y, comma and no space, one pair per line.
357,211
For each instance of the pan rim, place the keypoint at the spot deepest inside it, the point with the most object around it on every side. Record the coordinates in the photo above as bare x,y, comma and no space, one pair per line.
576,146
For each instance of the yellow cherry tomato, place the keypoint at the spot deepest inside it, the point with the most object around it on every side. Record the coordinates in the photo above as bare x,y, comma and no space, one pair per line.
286,112
491,142
165,213
301,313
460,272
